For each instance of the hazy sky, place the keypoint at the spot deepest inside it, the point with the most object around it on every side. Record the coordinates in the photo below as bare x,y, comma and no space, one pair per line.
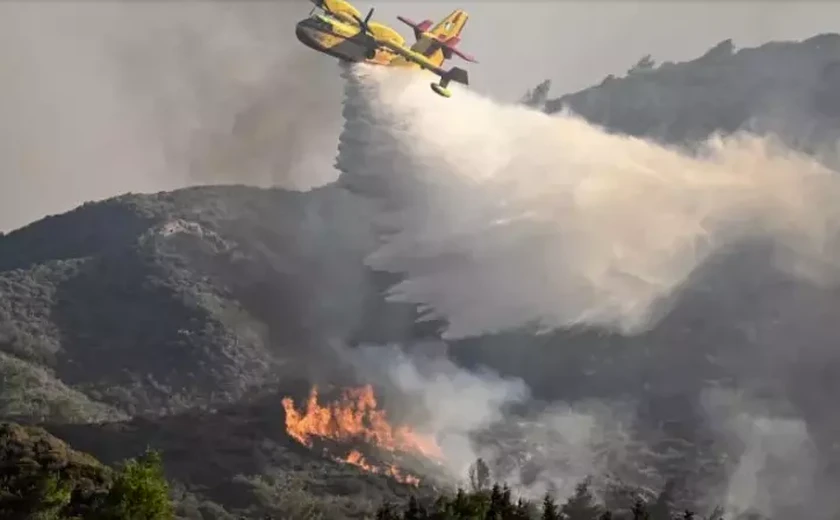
100,98
576,44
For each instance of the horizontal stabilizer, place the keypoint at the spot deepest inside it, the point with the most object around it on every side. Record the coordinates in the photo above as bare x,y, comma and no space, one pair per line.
450,49
458,75
419,28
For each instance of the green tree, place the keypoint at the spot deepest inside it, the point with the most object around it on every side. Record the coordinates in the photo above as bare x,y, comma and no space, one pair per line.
640,511
41,496
662,508
549,509
140,491
523,511
581,505
461,505
471,506
387,511
53,496
479,474
444,509
496,505
646,63
537,97
415,511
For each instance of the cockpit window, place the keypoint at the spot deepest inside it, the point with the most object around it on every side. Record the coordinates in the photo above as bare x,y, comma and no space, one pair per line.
320,14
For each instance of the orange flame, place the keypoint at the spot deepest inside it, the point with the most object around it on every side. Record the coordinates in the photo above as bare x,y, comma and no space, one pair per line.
357,459
353,418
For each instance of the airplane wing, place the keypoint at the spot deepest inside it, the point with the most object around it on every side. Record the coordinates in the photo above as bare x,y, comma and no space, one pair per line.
411,56
341,8
454,74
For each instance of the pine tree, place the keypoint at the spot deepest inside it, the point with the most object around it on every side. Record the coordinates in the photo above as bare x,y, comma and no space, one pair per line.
662,508
470,505
640,511
386,512
507,506
443,509
479,474
581,505
537,97
497,506
522,511
550,510
415,511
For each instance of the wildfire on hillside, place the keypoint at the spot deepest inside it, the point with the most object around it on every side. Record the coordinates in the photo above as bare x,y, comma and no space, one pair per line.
353,418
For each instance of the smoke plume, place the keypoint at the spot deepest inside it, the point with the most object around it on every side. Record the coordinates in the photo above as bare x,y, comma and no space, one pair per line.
774,471
469,413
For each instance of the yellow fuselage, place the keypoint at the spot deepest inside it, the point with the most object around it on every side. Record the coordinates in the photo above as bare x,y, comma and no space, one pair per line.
338,30
338,35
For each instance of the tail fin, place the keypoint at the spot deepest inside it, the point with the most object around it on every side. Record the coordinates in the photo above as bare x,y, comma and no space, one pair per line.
448,28
448,32
439,43
451,26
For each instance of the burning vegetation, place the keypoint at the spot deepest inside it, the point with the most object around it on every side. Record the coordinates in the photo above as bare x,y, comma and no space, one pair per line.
355,418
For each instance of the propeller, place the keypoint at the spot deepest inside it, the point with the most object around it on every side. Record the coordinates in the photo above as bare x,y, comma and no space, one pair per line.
371,39
364,23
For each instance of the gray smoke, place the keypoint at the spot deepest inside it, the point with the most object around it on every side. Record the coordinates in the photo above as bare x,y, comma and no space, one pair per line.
100,98
776,471
767,461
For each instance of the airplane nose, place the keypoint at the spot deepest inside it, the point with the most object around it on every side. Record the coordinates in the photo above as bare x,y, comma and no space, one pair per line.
303,31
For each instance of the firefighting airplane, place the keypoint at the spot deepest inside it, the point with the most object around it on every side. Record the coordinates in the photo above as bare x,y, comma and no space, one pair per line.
336,28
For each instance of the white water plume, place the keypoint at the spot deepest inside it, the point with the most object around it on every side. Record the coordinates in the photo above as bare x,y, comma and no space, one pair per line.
503,217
